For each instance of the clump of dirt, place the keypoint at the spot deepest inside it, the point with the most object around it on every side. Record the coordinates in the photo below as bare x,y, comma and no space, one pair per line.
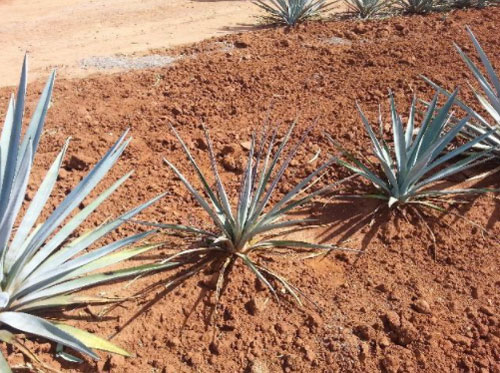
404,305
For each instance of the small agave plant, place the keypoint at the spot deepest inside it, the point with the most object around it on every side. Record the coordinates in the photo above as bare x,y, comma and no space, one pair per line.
41,266
254,226
489,99
291,12
418,6
368,8
420,157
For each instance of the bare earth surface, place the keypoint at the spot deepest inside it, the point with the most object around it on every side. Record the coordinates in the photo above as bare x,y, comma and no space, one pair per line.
403,305
61,33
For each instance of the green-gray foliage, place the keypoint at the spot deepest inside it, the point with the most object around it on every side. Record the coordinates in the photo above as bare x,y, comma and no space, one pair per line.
418,6
291,12
420,156
254,226
489,99
42,265
368,8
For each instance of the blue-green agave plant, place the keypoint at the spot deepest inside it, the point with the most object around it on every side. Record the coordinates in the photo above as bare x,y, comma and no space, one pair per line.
291,12
41,265
420,156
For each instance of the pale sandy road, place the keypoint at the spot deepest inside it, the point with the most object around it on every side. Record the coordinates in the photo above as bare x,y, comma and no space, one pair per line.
60,33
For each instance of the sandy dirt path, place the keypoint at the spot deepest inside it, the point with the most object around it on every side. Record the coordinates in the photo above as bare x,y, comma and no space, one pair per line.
62,33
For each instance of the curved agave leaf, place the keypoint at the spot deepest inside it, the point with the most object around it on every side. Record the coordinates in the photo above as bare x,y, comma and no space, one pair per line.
35,325
93,341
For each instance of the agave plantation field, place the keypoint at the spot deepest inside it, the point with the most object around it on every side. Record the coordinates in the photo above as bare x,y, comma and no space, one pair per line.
292,232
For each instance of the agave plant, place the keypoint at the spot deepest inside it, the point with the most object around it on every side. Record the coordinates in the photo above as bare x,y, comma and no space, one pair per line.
41,265
490,99
418,6
368,8
254,227
421,156
291,12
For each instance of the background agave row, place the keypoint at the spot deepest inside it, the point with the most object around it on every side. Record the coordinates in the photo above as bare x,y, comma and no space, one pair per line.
291,12
43,265
372,8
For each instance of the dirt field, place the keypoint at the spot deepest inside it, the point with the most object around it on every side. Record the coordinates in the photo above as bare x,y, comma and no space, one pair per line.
60,33
393,308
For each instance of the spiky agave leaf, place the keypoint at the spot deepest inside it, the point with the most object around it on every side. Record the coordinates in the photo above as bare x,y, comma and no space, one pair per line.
368,8
490,99
291,12
417,161
250,227
40,265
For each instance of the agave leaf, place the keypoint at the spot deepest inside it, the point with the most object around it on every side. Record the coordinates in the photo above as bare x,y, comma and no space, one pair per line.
411,125
417,142
9,173
462,149
65,356
459,103
92,340
225,205
36,125
261,191
436,126
259,275
368,8
399,140
201,177
481,79
4,366
108,260
178,227
266,172
494,112
245,195
291,194
87,281
459,166
5,138
486,62
361,169
213,214
15,202
63,301
289,288
35,208
385,161
35,325
262,228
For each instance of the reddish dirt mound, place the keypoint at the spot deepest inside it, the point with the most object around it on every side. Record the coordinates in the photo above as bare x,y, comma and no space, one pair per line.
393,308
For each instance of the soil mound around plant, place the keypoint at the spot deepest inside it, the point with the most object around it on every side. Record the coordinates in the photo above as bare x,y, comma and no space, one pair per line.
403,305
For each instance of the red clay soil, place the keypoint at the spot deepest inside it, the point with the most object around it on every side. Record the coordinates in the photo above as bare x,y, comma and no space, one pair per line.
403,305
